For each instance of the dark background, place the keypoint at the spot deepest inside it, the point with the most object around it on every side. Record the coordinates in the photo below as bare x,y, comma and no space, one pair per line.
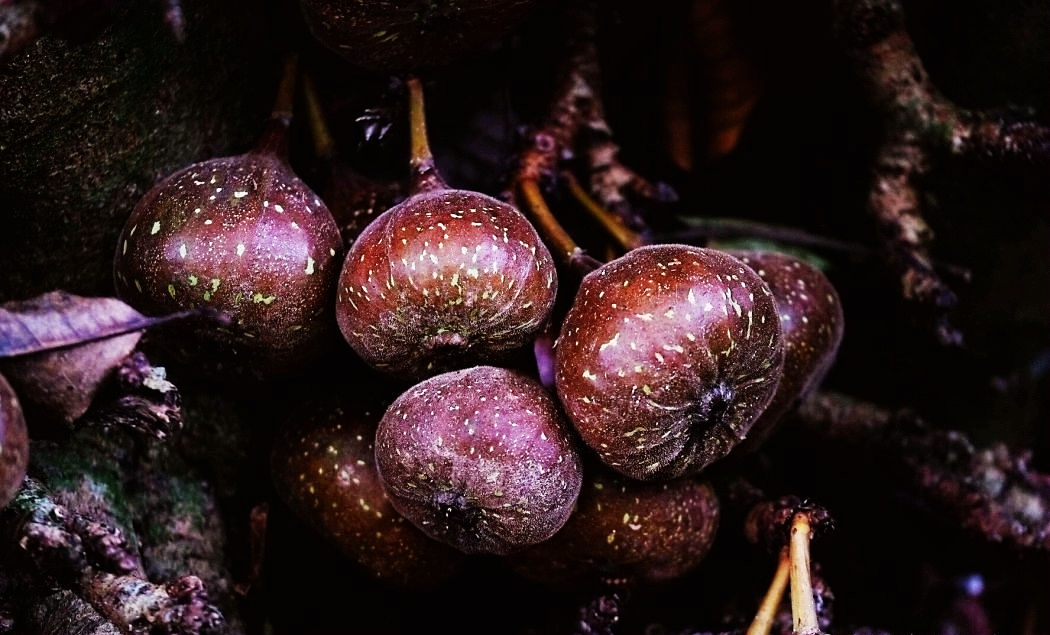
91,117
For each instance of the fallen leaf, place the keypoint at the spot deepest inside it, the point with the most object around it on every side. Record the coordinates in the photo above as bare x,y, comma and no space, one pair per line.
59,319
57,349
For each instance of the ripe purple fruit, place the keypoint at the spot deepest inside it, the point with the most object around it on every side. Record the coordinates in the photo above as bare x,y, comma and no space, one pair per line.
445,279
812,325
245,236
666,357
479,458
627,529
323,467
14,443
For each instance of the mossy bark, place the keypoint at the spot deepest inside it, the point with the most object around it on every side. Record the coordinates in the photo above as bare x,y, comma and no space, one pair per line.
89,123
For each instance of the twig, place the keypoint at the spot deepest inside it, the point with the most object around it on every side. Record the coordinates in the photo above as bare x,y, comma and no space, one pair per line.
786,525
575,125
918,122
611,223
563,246
63,613
142,400
767,610
991,491
98,564
64,542
138,606
803,606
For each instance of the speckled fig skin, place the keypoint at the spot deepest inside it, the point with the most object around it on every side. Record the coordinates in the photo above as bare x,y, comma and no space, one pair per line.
323,468
480,459
409,35
626,529
245,236
445,279
14,443
812,324
666,358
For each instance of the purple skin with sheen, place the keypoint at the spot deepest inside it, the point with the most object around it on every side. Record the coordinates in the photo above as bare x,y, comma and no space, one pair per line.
243,235
627,529
446,279
480,459
812,324
323,466
14,443
666,358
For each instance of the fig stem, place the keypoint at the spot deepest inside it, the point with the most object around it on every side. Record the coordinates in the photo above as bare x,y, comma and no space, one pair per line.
274,139
564,247
626,237
767,610
425,176
324,144
803,606
283,104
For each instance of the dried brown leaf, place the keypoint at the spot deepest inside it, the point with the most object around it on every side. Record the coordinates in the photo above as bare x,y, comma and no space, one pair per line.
59,319
57,349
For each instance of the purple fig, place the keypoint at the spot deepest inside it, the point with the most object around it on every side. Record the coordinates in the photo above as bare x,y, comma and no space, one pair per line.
445,279
246,237
14,443
812,325
666,358
479,458
323,467
626,529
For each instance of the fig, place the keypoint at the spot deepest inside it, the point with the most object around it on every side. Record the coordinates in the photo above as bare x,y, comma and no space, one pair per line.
626,529
666,357
14,443
444,280
246,237
323,468
479,458
811,322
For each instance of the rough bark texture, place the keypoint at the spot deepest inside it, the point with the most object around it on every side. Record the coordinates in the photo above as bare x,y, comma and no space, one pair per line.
88,122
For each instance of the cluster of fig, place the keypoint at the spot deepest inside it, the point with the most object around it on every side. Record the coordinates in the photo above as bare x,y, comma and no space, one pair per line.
669,358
